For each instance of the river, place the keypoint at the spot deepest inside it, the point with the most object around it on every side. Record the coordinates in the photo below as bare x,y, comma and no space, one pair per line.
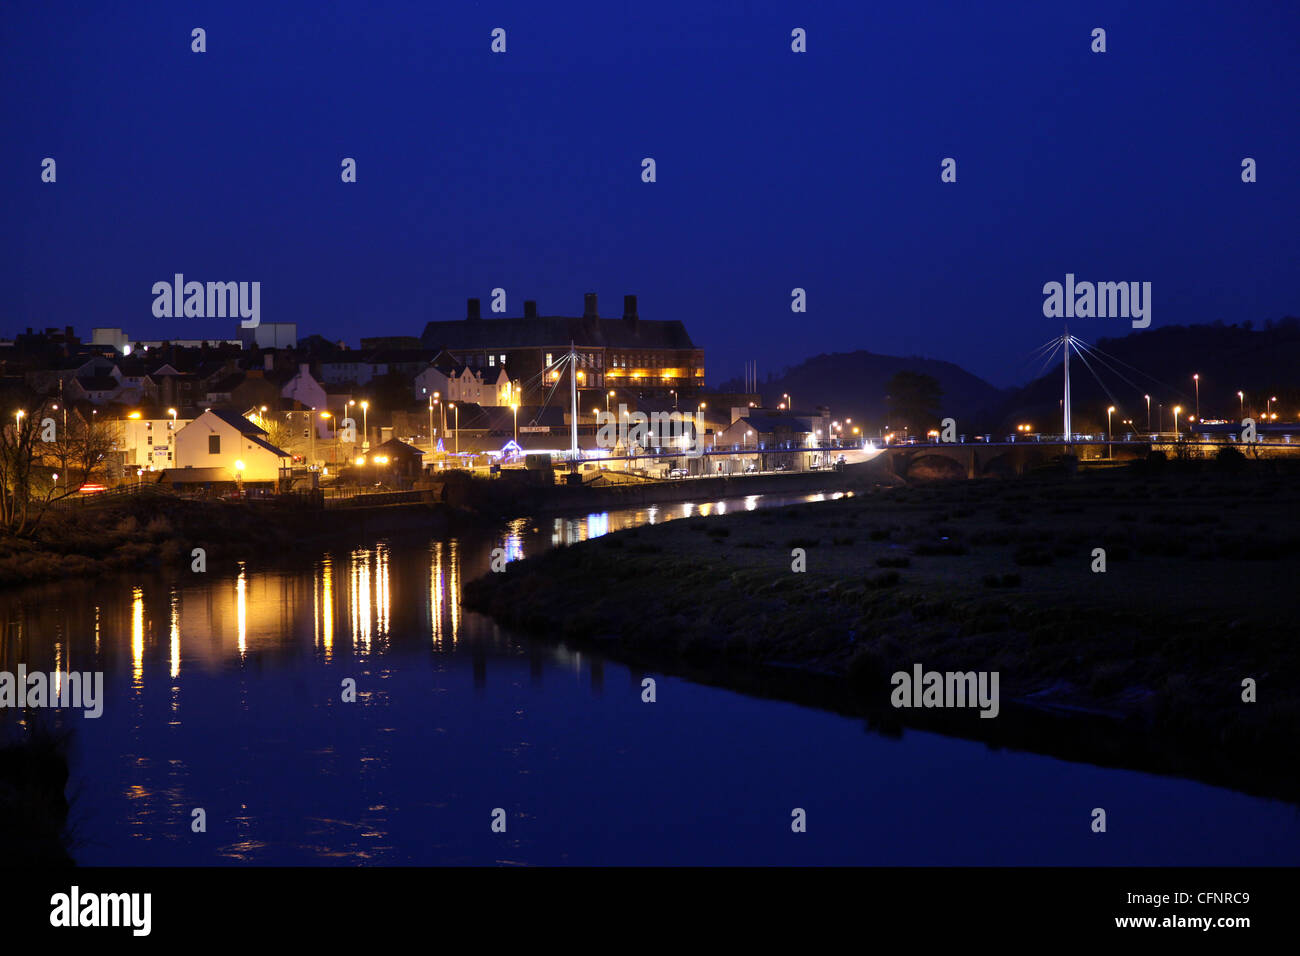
224,692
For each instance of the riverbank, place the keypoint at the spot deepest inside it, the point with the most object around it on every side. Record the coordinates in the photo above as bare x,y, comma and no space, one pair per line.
161,530
157,531
1138,666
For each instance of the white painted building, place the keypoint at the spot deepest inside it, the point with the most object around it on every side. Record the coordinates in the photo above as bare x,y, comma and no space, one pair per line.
231,445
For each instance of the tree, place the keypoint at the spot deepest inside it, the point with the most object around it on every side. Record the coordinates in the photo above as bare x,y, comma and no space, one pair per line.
914,400
42,461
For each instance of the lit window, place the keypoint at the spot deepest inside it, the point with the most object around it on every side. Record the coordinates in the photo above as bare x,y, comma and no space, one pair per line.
492,360
548,358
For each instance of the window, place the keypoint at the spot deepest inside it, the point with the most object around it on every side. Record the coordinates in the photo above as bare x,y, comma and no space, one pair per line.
548,359
492,361
214,444
503,358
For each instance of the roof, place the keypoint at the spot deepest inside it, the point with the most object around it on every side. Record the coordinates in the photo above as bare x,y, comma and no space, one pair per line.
557,332
394,445
240,424
771,423
99,383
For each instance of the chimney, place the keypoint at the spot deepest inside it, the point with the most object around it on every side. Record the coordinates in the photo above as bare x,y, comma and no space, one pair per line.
629,310
589,305
268,362
530,308
472,313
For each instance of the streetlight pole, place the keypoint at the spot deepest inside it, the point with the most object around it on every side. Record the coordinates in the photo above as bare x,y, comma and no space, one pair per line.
1177,409
1268,408
1196,379
365,427
515,408
1241,403
456,410
1109,412
1148,398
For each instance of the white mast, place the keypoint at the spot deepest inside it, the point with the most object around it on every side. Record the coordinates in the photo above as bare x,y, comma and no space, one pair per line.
1066,402
573,402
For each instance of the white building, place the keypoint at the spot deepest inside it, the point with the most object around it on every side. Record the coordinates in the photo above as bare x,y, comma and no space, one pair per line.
230,446
464,384
147,443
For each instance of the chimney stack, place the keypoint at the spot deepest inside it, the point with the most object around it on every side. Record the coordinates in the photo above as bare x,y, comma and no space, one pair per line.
268,362
589,305
530,308
471,311
629,310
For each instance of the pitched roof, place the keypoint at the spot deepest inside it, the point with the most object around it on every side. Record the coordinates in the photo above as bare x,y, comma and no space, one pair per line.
241,424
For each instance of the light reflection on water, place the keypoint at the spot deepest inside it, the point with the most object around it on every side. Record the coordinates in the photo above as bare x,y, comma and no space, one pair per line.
224,691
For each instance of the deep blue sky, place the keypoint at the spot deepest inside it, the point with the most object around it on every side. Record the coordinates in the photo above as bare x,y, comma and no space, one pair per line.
775,170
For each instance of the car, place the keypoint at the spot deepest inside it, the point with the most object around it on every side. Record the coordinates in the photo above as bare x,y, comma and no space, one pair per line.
751,468
782,467
678,473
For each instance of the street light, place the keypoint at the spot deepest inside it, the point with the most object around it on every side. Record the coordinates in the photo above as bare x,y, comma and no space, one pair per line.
1269,407
1177,409
1148,398
1241,402
1109,412
329,415
456,409
610,394
1197,380
515,408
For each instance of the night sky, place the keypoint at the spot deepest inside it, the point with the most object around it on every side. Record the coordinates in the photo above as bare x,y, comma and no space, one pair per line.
775,169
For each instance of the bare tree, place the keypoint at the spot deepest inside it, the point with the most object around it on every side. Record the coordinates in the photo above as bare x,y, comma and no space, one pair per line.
42,461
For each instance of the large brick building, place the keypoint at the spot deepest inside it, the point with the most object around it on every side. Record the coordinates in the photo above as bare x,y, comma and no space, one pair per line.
624,354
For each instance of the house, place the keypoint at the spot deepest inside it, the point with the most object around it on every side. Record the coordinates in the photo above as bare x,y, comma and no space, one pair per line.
230,444
308,393
456,382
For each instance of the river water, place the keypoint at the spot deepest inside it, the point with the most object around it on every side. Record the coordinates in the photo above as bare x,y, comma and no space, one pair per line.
223,692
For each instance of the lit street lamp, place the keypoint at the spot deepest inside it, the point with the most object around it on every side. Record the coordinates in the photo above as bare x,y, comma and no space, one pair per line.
1109,412
1148,398
1177,409
456,409
1241,402
515,409
365,426
1197,380
1269,407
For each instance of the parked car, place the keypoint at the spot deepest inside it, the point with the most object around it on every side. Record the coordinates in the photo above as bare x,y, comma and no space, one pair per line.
678,473
782,467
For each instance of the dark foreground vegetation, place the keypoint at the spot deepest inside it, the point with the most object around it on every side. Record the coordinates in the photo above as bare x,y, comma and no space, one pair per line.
33,806
1139,666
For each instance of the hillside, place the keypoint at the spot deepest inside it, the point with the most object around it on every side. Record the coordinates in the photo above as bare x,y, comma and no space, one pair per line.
1161,362
853,384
